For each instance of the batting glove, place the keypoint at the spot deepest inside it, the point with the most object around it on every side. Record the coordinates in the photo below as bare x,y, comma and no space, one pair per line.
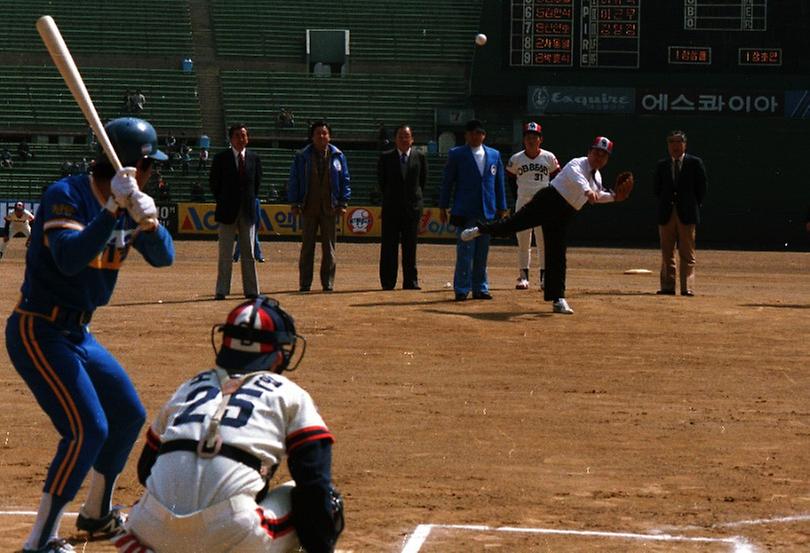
124,185
142,206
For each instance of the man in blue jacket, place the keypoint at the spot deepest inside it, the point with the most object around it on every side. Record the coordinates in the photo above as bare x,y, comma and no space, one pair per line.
318,189
476,173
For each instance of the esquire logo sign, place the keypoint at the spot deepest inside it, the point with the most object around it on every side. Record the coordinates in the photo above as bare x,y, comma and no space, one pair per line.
580,99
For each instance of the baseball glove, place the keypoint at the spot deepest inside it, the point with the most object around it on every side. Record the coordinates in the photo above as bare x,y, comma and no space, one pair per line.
623,186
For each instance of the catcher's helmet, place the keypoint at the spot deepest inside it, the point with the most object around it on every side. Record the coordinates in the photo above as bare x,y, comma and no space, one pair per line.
133,139
255,334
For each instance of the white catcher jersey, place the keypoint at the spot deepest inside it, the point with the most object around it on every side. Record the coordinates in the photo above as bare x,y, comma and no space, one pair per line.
268,416
19,223
532,174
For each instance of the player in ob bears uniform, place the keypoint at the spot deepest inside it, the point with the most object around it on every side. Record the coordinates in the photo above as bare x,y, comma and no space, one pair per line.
80,239
18,221
529,171
213,448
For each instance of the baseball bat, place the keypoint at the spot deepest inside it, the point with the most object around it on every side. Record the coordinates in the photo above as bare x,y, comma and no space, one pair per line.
61,57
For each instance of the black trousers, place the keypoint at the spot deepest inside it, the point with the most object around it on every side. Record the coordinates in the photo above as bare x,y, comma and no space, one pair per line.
551,211
399,228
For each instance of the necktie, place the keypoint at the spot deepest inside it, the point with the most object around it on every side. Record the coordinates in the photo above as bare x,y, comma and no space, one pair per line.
676,170
241,164
403,159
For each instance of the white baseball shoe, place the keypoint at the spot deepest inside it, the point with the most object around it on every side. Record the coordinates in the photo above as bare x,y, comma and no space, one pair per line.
561,306
470,234
56,545
522,284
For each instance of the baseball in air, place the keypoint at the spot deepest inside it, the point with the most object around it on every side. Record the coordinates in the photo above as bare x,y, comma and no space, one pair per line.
480,39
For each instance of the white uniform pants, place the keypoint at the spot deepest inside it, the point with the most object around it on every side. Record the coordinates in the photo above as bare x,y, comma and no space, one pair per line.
524,240
237,525
12,231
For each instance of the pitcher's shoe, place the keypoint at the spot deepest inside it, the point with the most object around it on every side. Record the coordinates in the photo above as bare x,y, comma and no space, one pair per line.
561,306
470,234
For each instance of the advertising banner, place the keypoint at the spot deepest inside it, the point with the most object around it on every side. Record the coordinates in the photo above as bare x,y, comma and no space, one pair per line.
580,99
706,102
197,219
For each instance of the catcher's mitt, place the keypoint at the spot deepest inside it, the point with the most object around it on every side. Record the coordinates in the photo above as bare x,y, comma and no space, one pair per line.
623,186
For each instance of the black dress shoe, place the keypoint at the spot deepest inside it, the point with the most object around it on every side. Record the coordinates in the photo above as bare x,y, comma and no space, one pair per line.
387,287
666,292
482,296
412,287
219,297
461,297
689,293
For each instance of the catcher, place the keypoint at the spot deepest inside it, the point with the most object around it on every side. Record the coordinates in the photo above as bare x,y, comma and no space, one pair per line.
214,446
554,208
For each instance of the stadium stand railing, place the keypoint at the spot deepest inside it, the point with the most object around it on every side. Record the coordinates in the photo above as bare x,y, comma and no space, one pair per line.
36,98
354,105
27,179
417,30
91,26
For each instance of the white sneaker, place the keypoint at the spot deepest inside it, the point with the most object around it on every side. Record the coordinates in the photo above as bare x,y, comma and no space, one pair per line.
522,284
561,306
470,234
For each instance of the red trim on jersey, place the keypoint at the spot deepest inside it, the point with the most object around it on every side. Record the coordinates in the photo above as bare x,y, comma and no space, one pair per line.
128,543
275,527
152,439
306,435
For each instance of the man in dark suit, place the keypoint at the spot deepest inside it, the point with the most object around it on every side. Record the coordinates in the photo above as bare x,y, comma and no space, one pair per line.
236,175
680,184
401,176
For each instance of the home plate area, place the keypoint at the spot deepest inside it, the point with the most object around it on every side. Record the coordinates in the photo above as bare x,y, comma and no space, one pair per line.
436,538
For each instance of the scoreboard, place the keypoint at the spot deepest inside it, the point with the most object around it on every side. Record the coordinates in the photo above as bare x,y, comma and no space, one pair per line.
660,35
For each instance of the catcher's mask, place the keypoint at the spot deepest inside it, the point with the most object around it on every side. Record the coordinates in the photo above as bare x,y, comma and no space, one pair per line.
255,334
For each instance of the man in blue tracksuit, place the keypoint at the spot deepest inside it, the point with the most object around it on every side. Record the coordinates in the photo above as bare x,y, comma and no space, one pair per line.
80,238
476,174
318,190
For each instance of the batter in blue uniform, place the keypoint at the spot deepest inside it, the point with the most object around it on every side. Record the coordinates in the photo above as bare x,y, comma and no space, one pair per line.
83,232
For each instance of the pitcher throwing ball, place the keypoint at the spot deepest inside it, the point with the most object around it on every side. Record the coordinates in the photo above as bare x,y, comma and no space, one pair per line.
79,241
554,208
215,445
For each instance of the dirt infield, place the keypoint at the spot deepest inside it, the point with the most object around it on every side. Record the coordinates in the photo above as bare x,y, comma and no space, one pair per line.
641,414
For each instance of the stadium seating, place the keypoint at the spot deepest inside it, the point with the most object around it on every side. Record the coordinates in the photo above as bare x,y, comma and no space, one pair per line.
417,30
353,105
36,98
26,180
413,64
92,26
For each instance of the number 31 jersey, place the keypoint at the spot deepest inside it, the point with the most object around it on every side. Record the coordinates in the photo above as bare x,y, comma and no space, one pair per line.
532,174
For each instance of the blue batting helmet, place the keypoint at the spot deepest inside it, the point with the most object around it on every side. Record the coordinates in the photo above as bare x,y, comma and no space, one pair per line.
133,139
